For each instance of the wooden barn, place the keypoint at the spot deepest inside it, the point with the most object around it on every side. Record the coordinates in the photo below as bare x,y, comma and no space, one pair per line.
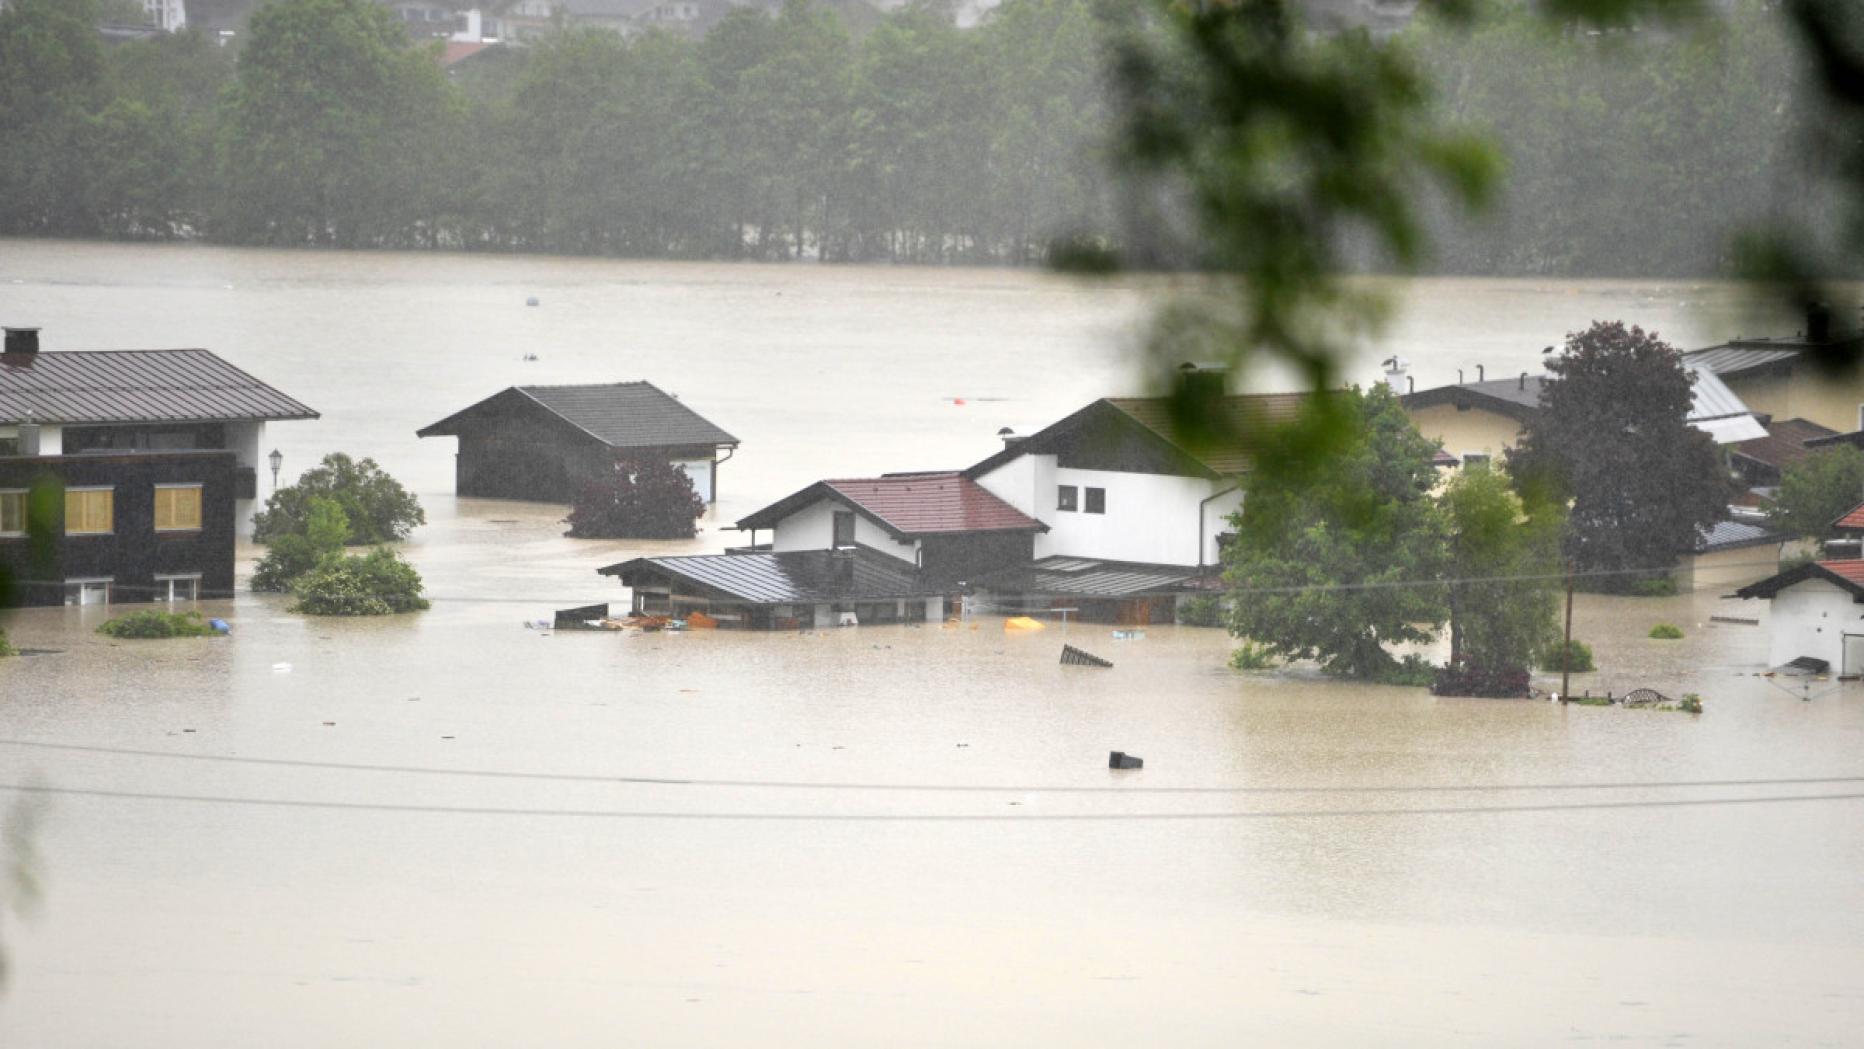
543,443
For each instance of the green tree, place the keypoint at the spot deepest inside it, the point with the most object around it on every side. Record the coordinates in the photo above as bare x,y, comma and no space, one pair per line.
1817,490
377,583
51,82
640,499
1503,575
335,130
375,507
1339,562
326,531
1612,436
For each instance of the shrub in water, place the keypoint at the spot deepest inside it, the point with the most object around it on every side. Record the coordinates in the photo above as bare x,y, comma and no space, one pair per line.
645,498
326,529
1414,671
1662,586
154,623
377,583
1581,658
378,509
1691,704
1463,680
1251,656
1665,632
1202,610
6,649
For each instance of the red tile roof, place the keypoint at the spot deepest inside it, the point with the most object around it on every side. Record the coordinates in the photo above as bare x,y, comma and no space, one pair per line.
1851,570
457,51
1852,519
932,504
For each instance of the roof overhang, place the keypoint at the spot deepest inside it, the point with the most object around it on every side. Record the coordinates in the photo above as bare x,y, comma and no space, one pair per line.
1812,570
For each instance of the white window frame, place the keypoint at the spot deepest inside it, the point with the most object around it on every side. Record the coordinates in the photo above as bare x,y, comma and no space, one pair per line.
107,582
24,509
197,486
165,586
92,488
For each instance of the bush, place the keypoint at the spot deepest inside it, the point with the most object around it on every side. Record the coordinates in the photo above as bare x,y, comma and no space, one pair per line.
326,528
641,499
377,508
1666,632
1251,656
377,583
1201,610
1662,586
1465,680
6,648
1581,658
154,623
1415,671
1691,704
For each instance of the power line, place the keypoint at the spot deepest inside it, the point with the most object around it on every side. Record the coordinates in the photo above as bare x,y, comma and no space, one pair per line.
919,817
669,781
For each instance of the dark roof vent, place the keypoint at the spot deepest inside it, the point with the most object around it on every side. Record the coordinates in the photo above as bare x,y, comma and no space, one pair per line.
22,341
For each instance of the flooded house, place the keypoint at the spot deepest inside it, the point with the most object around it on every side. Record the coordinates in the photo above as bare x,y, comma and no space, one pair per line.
896,548
1813,374
147,462
544,443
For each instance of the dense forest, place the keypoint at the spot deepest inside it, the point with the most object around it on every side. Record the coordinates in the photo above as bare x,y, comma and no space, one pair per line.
789,137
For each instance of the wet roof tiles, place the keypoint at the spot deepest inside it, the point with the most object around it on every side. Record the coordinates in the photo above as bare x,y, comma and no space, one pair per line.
908,505
797,577
136,386
620,414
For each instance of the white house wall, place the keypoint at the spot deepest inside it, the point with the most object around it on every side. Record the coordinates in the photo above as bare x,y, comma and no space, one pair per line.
813,528
1812,619
244,439
1019,481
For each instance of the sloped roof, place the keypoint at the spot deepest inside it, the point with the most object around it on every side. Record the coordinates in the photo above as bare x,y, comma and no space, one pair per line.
135,386
1088,577
1848,575
1733,535
797,577
1714,408
620,415
1785,442
1150,419
908,505
1516,398
1736,357
1852,518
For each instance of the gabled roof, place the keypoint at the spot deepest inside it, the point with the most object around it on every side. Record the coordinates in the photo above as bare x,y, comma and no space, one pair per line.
620,415
1517,398
1143,428
1714,408
1741,356
1785,443
135,386
1848,575
1852,519
908,505
1734,535
796,577
1089,577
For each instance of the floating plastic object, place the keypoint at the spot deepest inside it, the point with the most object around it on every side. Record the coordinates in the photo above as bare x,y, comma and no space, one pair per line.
1119,759
1074,657
219,626
1022,623
847,619
281,668
531,301
1129,635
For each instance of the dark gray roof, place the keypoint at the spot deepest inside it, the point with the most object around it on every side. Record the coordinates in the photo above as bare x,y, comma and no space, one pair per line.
1517,397
620,415
1087,577
1734,358
135,386
1733,535
797,577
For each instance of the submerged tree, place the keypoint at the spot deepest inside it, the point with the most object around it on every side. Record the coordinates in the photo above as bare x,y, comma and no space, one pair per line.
639,499
1612,436
377,583
1502,581
375,507
1817,490
1345,561
326,531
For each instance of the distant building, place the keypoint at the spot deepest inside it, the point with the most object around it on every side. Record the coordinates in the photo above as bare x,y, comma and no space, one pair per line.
1760,463
170,15
149,459
1816,374
544,443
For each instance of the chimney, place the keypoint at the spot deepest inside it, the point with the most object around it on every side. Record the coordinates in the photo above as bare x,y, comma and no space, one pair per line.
22,342
1818,324
1010,437
1395,369
1480,376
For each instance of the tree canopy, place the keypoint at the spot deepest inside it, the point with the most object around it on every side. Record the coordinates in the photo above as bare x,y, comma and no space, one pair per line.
1612,437
374,506
1502,581
1817,490
641,498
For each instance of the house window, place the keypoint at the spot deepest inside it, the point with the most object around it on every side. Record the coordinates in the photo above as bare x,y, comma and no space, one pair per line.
178,587
1065,497
1096,500
87,591
12,513
9,446
177,507
844,529
90,511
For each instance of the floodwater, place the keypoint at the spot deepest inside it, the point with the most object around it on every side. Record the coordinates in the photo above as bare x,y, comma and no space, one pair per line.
1409,898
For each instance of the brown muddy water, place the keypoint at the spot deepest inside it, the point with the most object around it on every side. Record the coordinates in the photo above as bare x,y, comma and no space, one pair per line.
1449,911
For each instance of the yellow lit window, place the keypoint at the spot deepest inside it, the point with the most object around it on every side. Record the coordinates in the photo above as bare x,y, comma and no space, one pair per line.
90,511
178,508
12,513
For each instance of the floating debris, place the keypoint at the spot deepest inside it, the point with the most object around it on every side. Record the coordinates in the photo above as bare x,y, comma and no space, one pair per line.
1074,657
1119,759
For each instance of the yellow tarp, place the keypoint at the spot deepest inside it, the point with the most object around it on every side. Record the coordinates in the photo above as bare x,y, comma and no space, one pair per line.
1021,623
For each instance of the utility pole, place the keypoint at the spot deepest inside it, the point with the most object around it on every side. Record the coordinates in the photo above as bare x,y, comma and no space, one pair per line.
1566,650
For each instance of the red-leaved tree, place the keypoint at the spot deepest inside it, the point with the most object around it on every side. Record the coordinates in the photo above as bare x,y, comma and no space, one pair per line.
639,499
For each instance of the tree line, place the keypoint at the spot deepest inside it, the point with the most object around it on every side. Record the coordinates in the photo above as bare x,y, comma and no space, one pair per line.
792,137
